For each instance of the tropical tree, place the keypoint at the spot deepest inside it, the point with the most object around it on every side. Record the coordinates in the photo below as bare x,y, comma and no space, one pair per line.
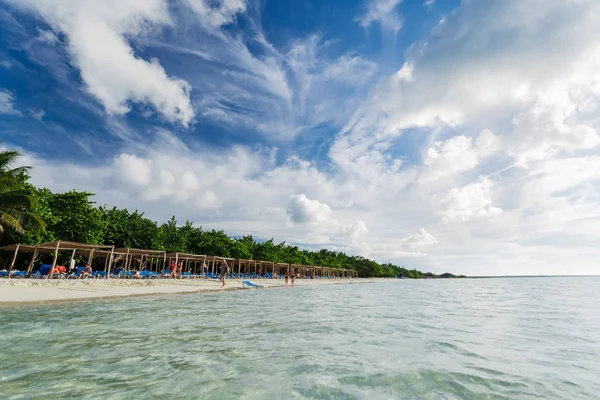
16,202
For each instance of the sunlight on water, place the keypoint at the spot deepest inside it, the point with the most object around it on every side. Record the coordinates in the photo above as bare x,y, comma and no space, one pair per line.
454,339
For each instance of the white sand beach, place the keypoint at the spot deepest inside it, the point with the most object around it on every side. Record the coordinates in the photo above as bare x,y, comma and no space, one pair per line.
42,290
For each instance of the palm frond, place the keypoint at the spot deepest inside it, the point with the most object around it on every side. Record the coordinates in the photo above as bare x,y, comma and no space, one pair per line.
16,199
8,157
8,221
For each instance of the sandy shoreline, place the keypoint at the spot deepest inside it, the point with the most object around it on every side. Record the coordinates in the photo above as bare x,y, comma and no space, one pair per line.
15,291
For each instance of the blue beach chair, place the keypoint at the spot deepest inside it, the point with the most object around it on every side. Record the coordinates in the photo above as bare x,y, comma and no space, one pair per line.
19,274
250,285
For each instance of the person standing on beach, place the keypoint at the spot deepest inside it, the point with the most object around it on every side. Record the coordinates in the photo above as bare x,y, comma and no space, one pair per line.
223,268
173,270
292,276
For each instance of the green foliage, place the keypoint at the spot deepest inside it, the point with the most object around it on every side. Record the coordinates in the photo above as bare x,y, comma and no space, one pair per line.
16,202
125,229
76,218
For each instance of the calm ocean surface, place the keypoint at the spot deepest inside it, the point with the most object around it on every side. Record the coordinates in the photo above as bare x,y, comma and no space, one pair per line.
438,339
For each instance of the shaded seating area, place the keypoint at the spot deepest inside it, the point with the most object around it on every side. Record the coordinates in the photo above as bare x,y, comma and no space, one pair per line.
192,265
50,270
127,263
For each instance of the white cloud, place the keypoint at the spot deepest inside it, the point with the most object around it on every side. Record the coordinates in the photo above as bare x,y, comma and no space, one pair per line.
421,238
458,154
454,155
47,36
7,103
383,12
350,69
6,64
428,3
303,210
112,72
217,14
471,201
37,114
463,75
318,217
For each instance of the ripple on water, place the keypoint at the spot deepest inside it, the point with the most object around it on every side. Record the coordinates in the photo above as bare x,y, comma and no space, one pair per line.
446,339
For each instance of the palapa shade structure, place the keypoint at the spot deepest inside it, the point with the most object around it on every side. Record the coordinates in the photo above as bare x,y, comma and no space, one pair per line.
196,258
263,266
213,260
52,247
159,257
129,254
248,264
279,266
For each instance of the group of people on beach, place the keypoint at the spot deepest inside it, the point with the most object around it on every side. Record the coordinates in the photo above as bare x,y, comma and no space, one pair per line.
175,271
72,271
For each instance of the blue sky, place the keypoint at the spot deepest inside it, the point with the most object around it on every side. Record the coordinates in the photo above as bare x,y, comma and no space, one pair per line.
444,135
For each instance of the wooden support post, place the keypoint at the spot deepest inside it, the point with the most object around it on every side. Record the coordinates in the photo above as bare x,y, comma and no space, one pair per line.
30,266
12,264
71,260
54,260
125,264
110,261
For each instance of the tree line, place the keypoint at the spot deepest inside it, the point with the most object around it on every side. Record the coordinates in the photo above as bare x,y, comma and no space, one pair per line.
31,215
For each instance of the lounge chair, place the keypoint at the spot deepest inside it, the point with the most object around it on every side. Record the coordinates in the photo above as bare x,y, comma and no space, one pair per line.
250,285
18,274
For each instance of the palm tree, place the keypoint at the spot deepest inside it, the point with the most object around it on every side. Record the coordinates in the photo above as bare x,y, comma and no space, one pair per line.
7,159
16,204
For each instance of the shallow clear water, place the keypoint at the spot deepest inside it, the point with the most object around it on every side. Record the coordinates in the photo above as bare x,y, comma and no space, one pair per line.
438,339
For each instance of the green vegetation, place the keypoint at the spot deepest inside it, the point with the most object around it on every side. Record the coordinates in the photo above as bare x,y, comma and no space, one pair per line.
16,203
72,216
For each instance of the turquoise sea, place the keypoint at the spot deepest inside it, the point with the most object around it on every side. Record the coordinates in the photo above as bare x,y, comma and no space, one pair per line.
509,338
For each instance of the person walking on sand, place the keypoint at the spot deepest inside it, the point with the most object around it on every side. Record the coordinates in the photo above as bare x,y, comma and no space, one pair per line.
223,268
173,269
180,269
